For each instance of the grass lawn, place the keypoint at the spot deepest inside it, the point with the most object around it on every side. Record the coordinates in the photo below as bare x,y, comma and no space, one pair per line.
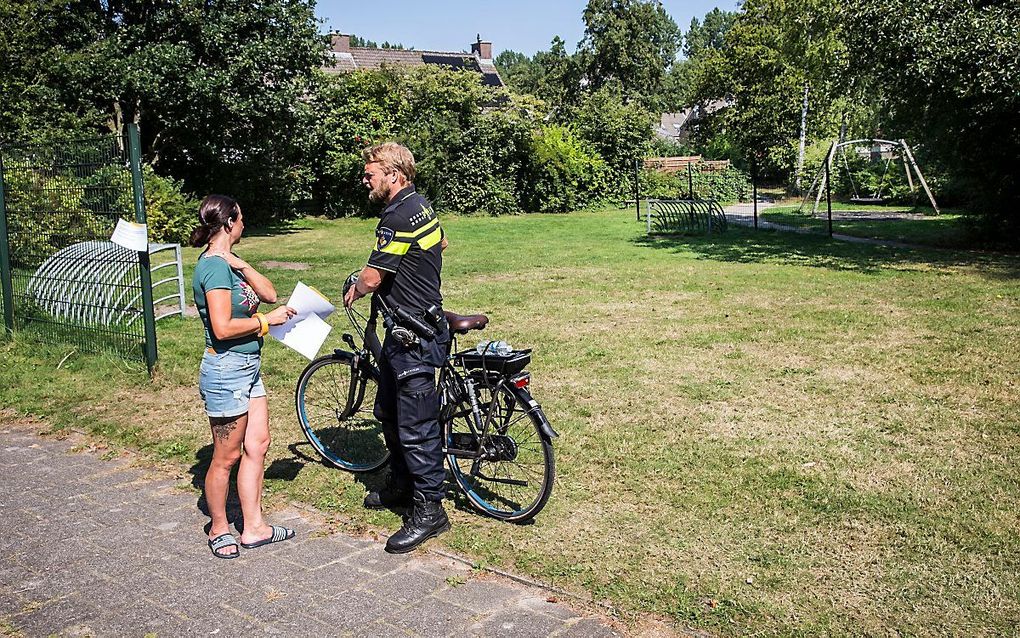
944,231
761,433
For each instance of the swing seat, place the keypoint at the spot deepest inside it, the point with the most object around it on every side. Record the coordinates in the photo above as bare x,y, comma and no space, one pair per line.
867,200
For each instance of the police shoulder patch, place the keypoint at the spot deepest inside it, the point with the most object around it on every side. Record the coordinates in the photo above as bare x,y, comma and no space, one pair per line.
385,236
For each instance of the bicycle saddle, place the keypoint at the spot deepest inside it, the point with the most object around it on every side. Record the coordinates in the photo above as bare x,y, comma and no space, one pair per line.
461,324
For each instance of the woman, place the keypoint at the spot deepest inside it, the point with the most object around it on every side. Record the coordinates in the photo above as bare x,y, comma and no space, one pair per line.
227,292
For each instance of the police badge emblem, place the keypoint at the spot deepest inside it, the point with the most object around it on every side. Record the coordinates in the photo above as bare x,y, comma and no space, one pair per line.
385,236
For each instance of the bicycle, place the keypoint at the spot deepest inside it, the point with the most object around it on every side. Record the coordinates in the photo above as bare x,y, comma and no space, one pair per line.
497,440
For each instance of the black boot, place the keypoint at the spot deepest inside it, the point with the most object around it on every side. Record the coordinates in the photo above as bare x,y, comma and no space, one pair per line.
393,494
427,520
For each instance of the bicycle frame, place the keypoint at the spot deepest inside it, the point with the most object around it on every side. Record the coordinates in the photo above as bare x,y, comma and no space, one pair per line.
502,438
450,379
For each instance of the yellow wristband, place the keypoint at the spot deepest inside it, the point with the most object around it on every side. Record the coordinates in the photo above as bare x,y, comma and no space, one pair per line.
263,324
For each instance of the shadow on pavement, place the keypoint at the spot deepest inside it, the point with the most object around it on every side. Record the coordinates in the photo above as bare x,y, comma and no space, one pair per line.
279,469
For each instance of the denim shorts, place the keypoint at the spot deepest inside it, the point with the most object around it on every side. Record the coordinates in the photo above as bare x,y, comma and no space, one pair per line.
228,380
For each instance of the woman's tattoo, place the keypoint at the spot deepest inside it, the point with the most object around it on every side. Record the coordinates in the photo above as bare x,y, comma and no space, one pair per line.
222,427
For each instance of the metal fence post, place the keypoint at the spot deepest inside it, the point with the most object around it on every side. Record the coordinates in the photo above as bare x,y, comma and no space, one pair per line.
754,190
5,259
690,180
637,190
828,195
148,312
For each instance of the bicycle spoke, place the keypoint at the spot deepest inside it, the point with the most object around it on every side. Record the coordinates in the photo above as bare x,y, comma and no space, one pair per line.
353,442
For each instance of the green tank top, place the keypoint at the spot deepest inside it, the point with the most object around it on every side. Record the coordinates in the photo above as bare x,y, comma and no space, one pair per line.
213,273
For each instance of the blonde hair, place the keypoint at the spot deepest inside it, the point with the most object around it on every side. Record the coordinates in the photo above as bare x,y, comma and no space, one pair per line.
392,157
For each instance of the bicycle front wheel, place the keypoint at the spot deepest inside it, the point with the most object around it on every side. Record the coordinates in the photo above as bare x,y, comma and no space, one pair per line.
334,401
507,473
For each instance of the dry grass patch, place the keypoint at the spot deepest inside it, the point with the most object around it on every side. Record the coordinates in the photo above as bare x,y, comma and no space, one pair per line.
760,433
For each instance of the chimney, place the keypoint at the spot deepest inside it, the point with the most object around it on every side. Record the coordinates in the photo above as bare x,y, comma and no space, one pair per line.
339,43
482,49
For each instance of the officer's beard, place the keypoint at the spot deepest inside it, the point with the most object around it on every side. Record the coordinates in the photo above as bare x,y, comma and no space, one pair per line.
380,193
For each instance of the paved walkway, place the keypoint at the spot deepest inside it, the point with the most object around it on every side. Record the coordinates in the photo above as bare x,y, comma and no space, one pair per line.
93,547
743,215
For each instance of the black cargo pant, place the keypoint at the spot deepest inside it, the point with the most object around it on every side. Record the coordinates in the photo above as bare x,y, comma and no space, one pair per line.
407,405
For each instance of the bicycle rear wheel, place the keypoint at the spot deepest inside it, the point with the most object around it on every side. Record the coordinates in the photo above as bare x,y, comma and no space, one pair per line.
513,475
334,401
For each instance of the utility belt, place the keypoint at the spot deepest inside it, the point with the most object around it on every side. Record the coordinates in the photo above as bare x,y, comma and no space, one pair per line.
409,328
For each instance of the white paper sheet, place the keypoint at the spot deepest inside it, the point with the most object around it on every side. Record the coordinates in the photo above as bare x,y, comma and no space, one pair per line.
131,235
306,331
306,336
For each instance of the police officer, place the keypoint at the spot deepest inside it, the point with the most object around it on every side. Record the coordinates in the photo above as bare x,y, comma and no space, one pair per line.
403,272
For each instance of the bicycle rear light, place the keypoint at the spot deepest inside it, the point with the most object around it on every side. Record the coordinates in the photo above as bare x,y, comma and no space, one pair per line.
521,381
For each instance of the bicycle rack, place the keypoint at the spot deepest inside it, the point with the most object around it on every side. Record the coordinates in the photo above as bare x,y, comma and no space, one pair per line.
99,282
675,216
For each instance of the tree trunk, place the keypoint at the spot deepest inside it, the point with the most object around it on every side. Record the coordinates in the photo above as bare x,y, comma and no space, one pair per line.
803,138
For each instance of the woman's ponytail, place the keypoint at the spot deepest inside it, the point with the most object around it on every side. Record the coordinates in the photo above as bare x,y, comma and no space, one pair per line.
213,213
200,236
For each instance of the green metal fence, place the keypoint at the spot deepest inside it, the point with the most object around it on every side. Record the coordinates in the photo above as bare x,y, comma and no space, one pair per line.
62,278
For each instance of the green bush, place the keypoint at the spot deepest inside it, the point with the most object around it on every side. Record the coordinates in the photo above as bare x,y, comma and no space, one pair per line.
564,174
476,150
729,185
170,213
619,131
46,213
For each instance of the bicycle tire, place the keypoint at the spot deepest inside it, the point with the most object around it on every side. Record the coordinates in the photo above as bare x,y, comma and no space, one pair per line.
334,402
532,459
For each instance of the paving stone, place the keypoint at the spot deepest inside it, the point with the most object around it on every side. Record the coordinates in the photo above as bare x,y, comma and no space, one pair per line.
374,559
274,606
381,629
334,580
95,547
517,623
543,606
405,587
317,552
432,618
483,595
351,611
52,616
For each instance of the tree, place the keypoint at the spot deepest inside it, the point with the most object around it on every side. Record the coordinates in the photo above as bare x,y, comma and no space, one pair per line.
947,74
210,84
35,38
520,72
631,42
619,131
774,50
560,81
708,34
357,41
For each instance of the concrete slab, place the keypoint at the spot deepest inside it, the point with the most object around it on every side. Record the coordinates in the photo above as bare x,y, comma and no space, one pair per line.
96,547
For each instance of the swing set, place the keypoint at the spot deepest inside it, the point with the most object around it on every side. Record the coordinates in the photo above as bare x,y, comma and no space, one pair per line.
894,151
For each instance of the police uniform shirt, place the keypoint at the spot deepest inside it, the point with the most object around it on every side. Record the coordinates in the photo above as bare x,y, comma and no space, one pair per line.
409,245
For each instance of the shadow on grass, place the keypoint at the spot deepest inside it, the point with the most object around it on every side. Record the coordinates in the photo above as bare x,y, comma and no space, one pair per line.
280,469
287,227
749,246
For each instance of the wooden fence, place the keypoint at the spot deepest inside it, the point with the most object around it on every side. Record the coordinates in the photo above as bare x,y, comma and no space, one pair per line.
677,164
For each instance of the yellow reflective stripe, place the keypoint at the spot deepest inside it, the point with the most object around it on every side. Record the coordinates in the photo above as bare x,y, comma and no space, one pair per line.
430,240
415,233
396,248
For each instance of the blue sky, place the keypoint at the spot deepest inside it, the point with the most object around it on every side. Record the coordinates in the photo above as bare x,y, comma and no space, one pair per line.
522,25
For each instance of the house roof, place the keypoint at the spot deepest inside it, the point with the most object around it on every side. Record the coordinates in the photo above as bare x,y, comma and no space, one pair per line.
369,58
672,125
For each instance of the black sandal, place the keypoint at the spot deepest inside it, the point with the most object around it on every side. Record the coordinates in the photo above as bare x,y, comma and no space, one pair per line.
222,542
280,533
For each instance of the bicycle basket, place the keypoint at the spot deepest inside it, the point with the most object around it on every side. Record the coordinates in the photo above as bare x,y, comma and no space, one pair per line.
500,364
